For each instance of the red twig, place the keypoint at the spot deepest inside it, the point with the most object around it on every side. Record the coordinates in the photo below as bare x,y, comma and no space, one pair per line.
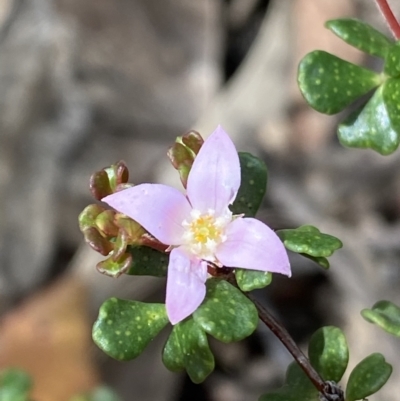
391,20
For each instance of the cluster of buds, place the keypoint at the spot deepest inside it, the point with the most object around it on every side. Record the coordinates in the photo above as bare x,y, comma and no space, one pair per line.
112,233
107,231
183,152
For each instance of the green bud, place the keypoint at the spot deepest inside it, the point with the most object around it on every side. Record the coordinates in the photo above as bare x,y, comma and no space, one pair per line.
105,224
120,244
133,230
99,185
193,140
106,181
183,152
117,174
96,241
88,216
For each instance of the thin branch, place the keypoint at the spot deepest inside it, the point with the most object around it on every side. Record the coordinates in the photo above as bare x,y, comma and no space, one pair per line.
328,390
388,15
288,342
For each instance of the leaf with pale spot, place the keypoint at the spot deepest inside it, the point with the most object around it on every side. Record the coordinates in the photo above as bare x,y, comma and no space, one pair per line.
360,35
391,97
329,353
124,328
309,240
226,313
375,125
15,385
320,260
368,377
297,387
254,176
249,280
386,315
147,261
187,348
392,62
329,84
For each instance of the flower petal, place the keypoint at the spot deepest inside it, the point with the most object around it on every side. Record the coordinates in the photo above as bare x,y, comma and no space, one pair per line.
214,178
186,287
253,245
158,208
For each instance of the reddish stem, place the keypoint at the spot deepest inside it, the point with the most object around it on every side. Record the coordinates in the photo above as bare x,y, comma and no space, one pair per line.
391,20
329,391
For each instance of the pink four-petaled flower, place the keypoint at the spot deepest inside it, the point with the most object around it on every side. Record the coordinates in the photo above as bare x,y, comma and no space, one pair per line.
199,227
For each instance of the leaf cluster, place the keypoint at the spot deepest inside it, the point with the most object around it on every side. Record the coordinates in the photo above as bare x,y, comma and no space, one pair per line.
330,84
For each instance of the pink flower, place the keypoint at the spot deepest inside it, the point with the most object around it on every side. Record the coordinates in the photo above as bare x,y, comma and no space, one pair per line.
199,227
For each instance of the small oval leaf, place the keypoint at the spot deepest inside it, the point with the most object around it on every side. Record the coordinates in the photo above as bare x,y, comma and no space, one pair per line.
360,35
386,315
124,328
254,176
368,377
226,313
249,280
309,240
187,348
329,84
320,260
329,353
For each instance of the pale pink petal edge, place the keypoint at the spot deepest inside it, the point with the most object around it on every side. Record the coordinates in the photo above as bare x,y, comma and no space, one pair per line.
251,244
186,287
160,209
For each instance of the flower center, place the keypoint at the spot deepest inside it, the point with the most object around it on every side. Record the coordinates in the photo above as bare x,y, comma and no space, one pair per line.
204,232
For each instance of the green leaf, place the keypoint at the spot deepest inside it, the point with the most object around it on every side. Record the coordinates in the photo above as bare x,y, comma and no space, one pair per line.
368,377
124,328
320,260
226,313
15,385
329,84
391,97
392,64
254,176
375,125
249,280
187,348
329,353
309,240
147,261
360,35
386,315
297,387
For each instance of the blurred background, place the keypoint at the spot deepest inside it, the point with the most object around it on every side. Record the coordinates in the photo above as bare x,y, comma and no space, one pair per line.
84,84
